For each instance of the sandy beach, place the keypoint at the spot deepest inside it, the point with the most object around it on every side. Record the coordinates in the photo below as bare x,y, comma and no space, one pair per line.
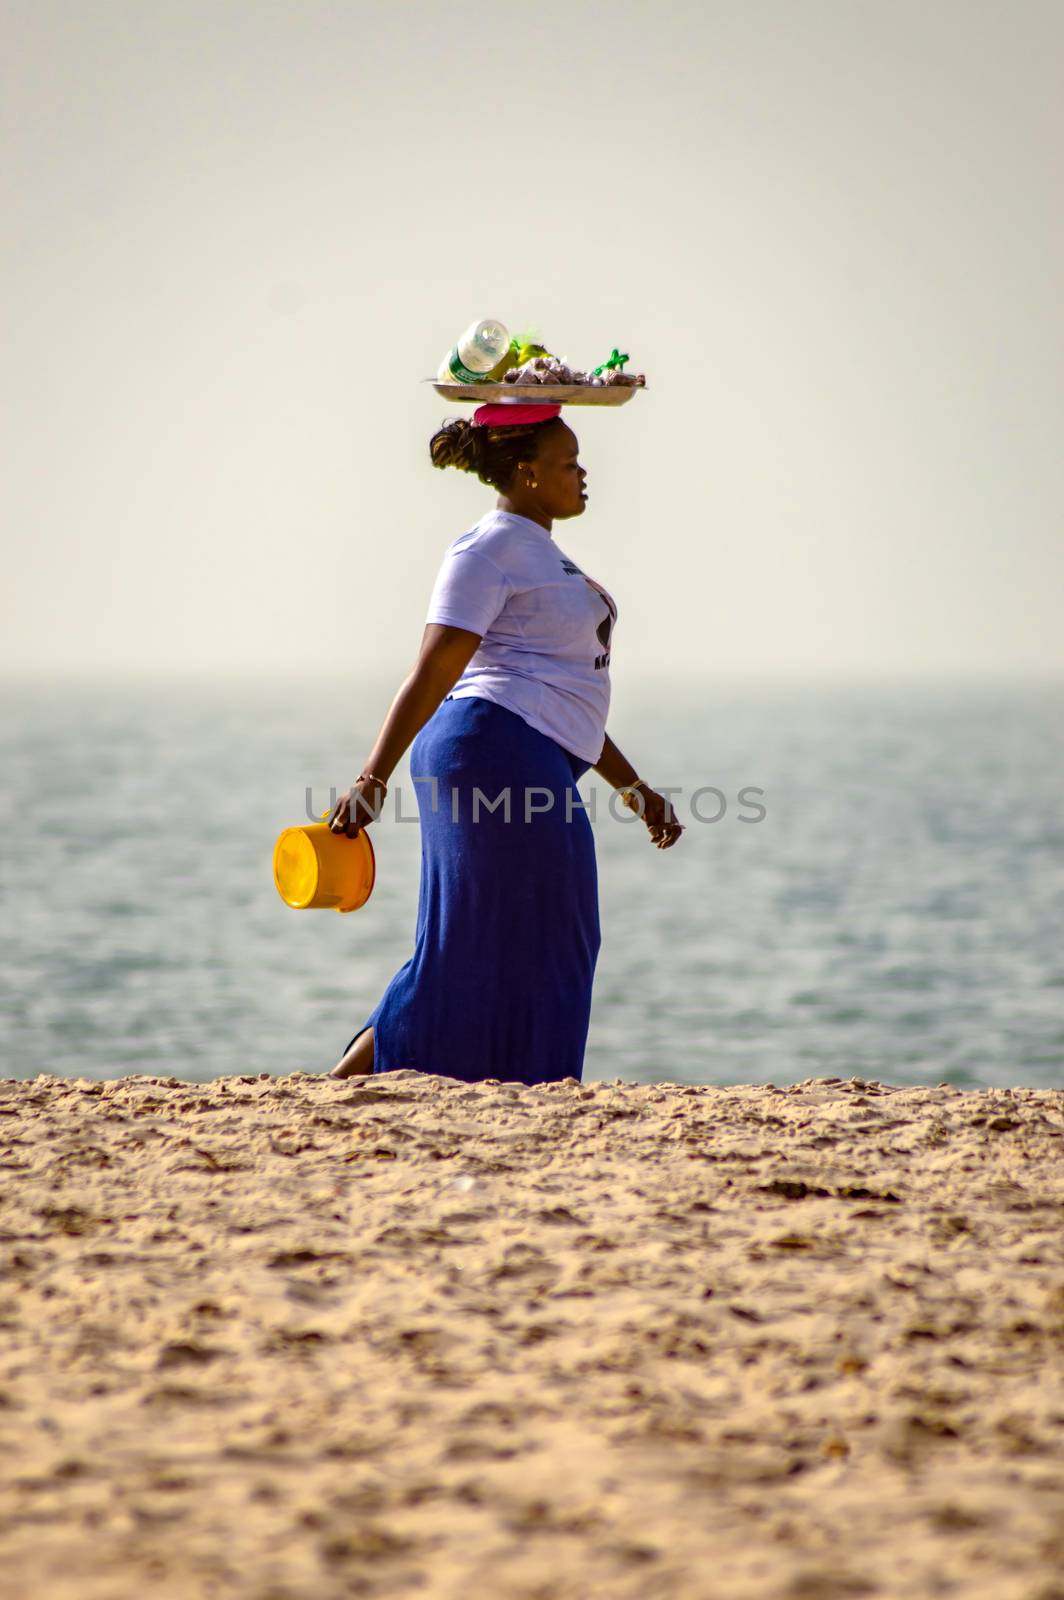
283,1338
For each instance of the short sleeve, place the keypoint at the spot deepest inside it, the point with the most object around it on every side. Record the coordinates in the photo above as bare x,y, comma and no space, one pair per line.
469,592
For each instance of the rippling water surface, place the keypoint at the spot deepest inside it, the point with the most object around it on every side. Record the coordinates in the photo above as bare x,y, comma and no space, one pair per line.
897,913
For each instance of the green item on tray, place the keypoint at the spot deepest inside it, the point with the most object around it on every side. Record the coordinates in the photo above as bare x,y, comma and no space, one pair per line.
523,348
615,363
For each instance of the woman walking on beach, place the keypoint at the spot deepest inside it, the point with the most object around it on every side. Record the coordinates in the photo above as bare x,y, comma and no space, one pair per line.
506,707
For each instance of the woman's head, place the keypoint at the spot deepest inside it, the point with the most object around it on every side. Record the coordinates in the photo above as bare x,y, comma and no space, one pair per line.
534,466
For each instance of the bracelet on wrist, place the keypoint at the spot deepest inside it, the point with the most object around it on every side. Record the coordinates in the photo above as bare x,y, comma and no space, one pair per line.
369,777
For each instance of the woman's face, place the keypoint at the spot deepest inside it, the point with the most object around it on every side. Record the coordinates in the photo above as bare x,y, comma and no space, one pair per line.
558,474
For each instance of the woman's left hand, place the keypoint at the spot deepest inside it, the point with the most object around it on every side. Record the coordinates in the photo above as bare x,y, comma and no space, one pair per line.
658,815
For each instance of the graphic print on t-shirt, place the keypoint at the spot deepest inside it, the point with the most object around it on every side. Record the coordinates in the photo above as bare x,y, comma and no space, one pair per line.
605,627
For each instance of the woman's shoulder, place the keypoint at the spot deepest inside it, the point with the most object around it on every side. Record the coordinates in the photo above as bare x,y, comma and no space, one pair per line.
497,536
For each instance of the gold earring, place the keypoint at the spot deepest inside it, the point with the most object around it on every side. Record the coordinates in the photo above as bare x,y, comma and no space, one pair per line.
532,483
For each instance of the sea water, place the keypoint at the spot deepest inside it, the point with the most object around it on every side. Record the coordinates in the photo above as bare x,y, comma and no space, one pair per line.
881,892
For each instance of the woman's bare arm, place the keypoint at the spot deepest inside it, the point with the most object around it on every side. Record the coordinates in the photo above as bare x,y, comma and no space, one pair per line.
445,653
615,767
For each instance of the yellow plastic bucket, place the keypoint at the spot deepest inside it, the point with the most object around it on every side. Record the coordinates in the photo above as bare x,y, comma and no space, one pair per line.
312,866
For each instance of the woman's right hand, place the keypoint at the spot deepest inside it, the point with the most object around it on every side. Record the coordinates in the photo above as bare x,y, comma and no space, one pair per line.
657,813
356,809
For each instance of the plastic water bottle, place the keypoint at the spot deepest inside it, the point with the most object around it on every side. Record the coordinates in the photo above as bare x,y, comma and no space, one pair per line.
481,347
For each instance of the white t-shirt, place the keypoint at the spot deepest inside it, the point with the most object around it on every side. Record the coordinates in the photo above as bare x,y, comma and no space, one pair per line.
545,626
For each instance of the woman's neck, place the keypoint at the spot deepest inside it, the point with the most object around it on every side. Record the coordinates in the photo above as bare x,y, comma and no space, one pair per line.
517,508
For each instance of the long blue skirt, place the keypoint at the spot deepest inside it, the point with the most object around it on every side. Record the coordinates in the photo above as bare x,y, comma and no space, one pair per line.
499,985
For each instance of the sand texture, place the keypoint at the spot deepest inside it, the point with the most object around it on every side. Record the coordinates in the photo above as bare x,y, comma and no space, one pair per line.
294,1338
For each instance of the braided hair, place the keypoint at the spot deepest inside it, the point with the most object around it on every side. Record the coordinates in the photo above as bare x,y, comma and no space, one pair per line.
492,453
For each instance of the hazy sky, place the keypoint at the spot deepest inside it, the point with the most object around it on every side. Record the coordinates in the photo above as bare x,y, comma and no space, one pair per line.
831,232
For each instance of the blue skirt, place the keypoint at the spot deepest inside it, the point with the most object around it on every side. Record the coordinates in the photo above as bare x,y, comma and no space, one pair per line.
499,985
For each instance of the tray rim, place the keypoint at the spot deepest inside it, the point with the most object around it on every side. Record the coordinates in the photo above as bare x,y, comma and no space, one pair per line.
565,394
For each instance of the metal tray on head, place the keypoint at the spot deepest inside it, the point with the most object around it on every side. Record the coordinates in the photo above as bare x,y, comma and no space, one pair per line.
538,394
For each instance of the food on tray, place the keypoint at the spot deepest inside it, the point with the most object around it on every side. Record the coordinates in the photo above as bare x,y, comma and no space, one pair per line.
551,370
544,369
522,348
